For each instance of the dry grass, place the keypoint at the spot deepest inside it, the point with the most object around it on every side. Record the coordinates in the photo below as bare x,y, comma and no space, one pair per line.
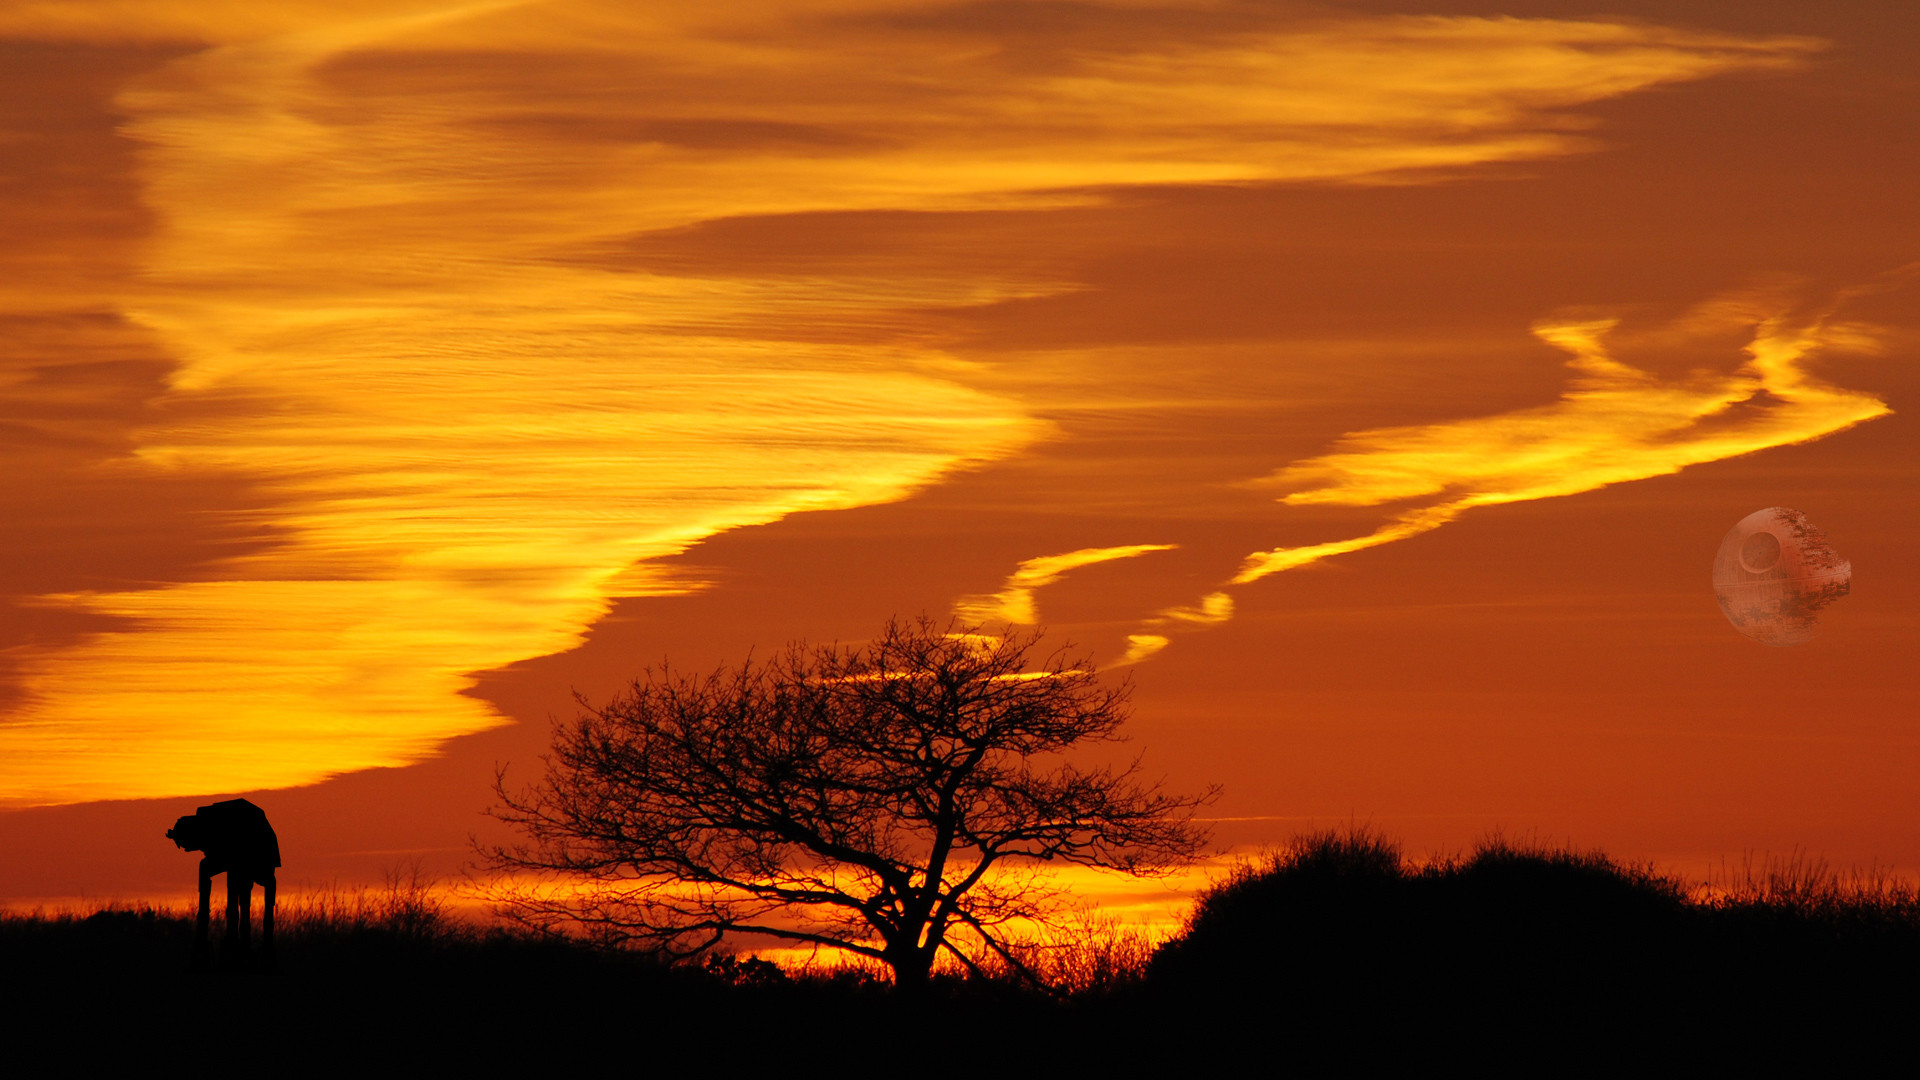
1083,951
1809,890
409,909
1078,950
408,904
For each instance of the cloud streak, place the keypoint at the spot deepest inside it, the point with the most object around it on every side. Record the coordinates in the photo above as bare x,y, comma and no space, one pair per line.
1014,603
366,263
1614,424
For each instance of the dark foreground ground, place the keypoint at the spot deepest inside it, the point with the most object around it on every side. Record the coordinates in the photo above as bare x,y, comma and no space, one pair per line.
1333,959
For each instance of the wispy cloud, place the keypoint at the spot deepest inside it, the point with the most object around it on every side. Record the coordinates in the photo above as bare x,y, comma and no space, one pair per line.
1212,610
368,217
1014,602
1614,424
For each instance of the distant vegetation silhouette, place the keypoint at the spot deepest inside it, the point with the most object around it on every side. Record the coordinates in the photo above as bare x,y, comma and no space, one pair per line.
1531,951
239,843
858,799
1335,956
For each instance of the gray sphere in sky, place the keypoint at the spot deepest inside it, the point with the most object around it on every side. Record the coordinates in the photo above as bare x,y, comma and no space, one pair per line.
1775,573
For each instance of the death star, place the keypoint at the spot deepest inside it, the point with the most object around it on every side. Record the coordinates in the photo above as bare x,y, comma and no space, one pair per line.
1775,573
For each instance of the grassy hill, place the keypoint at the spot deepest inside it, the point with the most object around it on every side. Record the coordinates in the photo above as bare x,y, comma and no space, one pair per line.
1560,961
1335,957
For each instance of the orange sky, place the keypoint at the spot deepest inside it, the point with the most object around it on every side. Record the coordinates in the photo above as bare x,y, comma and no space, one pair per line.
1373,381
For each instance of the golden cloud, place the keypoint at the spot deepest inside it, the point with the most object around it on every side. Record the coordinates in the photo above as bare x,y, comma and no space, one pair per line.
1014,603
367,217
1614,425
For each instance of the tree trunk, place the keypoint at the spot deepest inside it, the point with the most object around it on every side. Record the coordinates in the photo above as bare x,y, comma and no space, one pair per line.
912,970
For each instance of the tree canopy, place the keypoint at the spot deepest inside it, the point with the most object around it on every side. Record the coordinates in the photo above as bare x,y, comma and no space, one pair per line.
859,798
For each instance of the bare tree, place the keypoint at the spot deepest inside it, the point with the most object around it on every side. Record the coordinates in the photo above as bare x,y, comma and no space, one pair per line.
855,798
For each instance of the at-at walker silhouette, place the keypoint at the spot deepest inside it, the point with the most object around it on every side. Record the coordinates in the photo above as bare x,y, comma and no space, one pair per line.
240,844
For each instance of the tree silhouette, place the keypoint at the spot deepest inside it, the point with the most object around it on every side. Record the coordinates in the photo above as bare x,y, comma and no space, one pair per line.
855,798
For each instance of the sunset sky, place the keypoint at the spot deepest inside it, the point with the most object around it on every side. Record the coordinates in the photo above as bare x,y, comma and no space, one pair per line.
1372,383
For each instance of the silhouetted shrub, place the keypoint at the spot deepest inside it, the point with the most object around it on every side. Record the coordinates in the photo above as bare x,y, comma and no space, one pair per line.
1321,870
743,971
1341,940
